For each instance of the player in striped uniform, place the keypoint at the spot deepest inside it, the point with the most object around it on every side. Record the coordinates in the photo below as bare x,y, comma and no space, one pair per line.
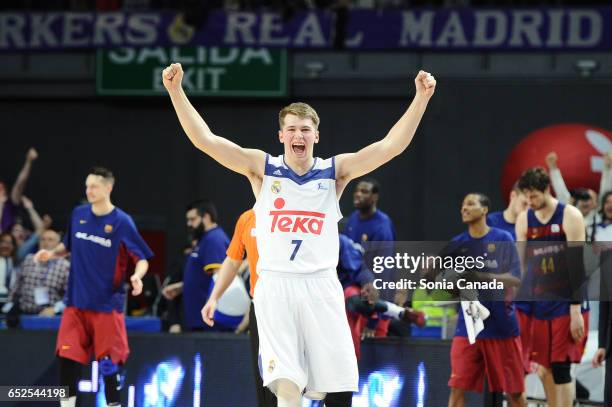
553,274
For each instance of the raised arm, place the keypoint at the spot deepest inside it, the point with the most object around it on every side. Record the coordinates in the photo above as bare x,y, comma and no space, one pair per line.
37,222
353,165
22,178
556,179
605,184
248,162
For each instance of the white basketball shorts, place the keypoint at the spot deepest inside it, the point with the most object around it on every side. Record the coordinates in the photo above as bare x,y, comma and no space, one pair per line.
304,334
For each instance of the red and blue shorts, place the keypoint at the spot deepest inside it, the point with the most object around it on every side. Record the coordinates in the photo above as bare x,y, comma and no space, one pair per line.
84,334
525,322
500,360
554,342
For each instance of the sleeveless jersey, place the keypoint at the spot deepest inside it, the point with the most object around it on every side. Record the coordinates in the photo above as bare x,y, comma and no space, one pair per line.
297,218
547,264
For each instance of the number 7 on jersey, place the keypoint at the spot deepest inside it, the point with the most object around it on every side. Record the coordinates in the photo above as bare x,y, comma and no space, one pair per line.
297,244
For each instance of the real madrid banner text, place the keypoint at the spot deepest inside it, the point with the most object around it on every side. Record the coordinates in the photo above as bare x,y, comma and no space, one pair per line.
587,28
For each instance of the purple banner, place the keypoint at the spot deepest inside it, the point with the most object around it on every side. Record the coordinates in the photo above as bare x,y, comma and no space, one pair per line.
431,29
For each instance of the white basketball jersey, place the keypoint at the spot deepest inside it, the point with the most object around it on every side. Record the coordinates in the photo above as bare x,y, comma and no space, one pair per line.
297,218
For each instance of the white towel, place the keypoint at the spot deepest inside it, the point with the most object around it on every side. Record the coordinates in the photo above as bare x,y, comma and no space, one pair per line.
474,314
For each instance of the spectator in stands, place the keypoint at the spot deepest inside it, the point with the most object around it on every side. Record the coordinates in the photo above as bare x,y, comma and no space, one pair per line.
603,232
40,287
10,203
202,263
8,268
584,199
27,242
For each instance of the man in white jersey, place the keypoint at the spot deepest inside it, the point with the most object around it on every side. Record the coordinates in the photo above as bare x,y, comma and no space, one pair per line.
305,342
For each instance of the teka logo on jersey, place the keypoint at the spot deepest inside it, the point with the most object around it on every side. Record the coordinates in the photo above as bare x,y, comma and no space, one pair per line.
295,221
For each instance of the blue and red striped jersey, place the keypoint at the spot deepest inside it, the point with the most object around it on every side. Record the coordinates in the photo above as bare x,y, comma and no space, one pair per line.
547,267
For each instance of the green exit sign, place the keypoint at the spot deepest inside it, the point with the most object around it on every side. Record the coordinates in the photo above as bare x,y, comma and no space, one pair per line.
209,71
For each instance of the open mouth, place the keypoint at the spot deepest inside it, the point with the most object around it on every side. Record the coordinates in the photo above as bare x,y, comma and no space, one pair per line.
299,149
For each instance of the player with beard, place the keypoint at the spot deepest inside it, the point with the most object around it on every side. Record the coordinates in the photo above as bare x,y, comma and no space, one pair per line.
305,342
554,272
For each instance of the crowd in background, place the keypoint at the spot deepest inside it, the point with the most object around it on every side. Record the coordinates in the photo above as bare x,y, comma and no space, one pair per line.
25,286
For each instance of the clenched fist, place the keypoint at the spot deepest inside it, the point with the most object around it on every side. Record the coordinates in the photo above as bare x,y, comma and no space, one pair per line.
551,160
32,154
425,84
172,77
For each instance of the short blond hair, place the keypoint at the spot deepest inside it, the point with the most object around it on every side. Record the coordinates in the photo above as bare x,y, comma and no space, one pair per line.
301,110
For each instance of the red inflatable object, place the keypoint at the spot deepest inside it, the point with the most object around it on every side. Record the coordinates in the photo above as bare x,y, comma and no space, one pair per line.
579,148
